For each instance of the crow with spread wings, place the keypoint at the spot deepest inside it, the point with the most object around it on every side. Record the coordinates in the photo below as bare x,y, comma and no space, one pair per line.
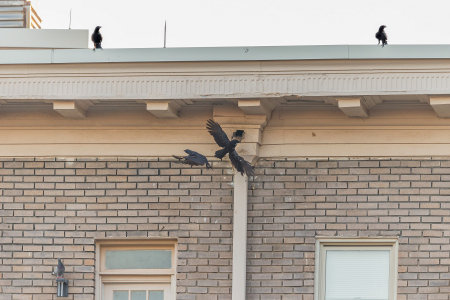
193,159
221,138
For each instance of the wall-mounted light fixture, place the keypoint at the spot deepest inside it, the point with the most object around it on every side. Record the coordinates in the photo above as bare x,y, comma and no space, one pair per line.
62,285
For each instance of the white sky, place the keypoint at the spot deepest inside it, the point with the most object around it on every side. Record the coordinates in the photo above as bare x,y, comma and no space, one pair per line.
198,23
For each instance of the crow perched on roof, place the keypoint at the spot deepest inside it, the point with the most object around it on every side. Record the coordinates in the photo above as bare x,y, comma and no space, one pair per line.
381,35
193,159
59,270
221,138
97,38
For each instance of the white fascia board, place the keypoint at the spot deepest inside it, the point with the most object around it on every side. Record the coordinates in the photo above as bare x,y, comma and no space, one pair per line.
65,39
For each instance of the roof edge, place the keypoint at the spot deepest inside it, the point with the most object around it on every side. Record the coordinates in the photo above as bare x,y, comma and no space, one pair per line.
206,54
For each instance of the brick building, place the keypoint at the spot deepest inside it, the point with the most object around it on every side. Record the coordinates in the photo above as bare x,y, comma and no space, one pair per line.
349,199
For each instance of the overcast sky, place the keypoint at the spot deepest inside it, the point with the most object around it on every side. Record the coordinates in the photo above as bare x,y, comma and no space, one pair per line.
197,23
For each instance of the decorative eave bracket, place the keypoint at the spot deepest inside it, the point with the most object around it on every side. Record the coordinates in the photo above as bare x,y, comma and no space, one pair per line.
256,106
353,107
163,109
71,109
441,105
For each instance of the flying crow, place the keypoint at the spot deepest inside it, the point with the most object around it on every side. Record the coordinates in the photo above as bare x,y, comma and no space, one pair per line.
221,138
59,270
240,164
97,38
193,159
381,36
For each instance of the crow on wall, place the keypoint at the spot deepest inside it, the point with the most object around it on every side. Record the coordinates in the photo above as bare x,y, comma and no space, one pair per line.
193,159
59,269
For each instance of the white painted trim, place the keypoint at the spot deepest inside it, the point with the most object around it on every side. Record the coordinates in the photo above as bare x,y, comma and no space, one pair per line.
217,80
239,237
98,283
210,86
355,241
150,242
215,54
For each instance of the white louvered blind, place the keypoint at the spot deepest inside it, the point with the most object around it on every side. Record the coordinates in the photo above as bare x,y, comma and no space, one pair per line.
357,274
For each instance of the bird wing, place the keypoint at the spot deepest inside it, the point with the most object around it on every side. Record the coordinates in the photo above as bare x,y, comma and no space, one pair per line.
195,157
234,158
240,164
217,132
190,152
96,37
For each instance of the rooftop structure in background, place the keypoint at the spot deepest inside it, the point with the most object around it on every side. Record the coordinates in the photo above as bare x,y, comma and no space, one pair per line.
18,14
23,38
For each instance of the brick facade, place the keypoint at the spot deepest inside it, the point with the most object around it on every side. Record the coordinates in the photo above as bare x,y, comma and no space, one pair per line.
54,208
291,202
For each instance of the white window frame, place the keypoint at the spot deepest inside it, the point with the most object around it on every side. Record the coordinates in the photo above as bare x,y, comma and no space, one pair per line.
328,243
134,276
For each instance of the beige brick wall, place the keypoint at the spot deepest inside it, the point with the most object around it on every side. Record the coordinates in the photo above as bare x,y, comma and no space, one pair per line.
291,202
53,208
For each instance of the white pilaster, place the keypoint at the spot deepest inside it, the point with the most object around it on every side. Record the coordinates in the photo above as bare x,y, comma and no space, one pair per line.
239,237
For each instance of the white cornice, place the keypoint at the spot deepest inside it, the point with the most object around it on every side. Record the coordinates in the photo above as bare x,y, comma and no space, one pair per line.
224,86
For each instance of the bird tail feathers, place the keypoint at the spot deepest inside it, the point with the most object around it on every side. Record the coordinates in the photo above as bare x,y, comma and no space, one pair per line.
178,157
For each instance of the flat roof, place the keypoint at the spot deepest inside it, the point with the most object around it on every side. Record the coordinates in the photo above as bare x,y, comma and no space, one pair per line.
205,54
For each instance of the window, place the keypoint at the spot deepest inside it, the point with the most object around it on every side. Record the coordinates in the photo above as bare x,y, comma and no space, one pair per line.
136,269
360,269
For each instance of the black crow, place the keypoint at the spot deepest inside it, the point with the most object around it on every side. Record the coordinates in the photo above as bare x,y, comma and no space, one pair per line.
240,164
97,38
381,36
221,138
193,159
59,270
